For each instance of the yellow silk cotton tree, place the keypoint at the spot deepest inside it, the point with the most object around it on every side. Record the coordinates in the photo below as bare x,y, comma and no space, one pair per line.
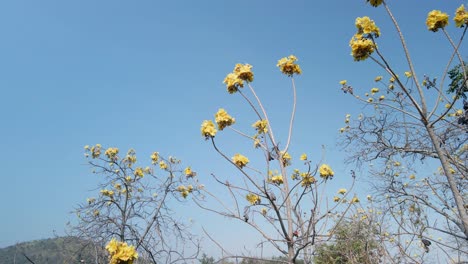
411,120
288,206
131,212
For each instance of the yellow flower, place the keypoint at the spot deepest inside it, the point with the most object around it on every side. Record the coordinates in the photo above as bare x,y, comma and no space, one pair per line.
342,130
261,126
336,199
436,20
303,157
326,172
396,164
408,74
208,129
96,213
354,200
244,72
459,112
391,87
286,159
343,82
264,211
111,153
412,176
120,252
138,172
233,82
448,106
374,90
108,193
188,172
155,157
381,98
288,66
361,48
370,100
90,200
96,151
461,17
367,26
378,78
342,191
369,198
253,199
240,160
375,3
162,165
184,191
223,119
307,179
278,179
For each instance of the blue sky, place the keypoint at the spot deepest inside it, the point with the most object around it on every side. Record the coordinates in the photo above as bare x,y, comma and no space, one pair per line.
145,74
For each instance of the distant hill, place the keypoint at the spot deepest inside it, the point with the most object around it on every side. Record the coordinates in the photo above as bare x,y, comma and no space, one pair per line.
54,250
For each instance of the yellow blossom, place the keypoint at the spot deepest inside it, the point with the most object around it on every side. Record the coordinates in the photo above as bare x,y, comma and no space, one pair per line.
188,172
370,100
436,20
459,112
326,172
354,200
375,3
412,176
96,151
307,179
391,87
253,199
374,90
286,158
240,160
396,164
342,191
120,252
96,213
264,211
461,17
223,119
261,126
408,74
343,82
448,106
155,157
244,72
288,66
381,98
342,130
184,191
162,165
233,82
138,172
378,78
90,200
336,199
108,193
278,179
128,178
361,48
367,26
111,153
303,157
208,129
369,198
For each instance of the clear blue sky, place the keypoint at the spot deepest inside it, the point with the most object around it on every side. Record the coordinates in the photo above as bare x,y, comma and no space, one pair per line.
145,74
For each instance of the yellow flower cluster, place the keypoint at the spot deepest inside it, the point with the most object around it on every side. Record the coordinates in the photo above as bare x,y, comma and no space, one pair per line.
461,17
223,119
155,157
208,129
111,153
342,191
120,252
436,20
138,172
354,200
184,191
240,160
253,199
343,82
288,66
91,200
307,179
108,193
375,3
378,78
96,151
188,172
162,165
408,74
326,172
361,47
303,157
241,73
277,179
261,126
366,26
374,90
286,159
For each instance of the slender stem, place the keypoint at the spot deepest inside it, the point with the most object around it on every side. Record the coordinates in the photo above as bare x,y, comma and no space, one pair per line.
293,113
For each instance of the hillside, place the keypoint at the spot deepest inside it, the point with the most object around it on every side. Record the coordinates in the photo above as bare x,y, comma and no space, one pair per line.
53,250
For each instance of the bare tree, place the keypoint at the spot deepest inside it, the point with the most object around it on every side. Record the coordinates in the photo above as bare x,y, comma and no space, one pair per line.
133,205
408,123
289,207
